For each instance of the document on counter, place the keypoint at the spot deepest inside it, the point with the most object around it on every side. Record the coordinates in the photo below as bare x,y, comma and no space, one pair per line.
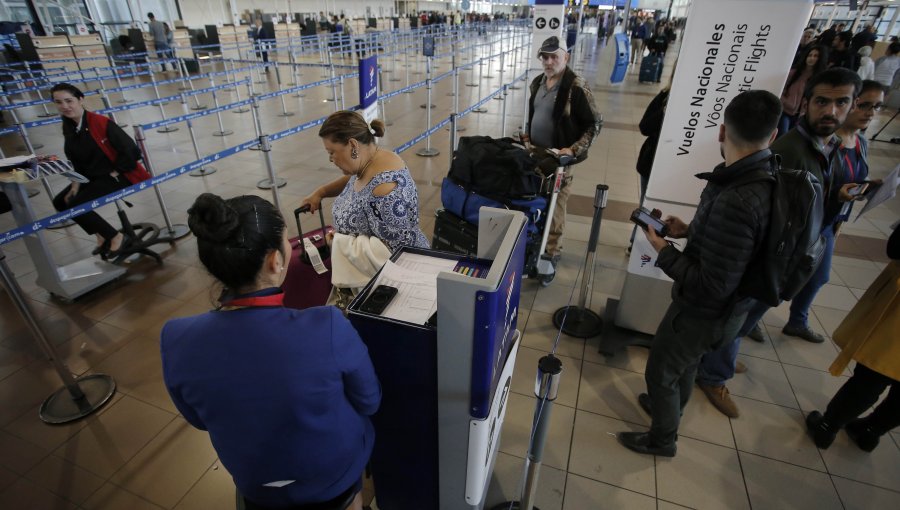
415,277
885,192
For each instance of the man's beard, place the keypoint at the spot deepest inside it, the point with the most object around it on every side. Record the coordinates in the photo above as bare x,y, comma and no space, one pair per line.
822,130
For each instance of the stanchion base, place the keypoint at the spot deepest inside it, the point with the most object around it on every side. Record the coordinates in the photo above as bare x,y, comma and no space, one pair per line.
62,408
267,183
426,106
480,110
298,95
46,115
471,84
199,107
513,87
166,129
241,110
579,323
223,133
67,223
202,171
489,76
123,101
33,192
177,231
428,153
286,114
509,505
499,98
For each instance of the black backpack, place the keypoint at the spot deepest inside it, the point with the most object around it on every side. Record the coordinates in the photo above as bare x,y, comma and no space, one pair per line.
495,167
793,246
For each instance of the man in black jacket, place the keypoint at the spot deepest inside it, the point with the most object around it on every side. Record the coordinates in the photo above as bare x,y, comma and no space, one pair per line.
561,116
727,232
813,146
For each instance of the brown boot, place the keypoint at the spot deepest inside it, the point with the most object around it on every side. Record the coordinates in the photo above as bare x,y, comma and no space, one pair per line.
720,398
739,368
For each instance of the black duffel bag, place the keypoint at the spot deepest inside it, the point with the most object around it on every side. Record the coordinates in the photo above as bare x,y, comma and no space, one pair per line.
495,167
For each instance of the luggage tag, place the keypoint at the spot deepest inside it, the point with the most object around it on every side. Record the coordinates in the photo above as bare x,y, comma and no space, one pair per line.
314,257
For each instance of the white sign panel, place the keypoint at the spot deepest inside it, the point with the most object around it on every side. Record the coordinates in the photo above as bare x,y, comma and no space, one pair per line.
549,20
484,435
729,46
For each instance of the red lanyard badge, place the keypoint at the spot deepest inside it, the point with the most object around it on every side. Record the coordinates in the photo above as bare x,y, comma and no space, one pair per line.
254,302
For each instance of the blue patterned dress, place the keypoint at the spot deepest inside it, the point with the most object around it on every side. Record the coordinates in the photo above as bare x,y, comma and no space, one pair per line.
393,218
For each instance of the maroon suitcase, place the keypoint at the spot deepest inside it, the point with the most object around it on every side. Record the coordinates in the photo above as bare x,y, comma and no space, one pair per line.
303,286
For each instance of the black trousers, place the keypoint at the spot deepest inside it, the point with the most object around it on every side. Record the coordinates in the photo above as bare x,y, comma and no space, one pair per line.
859,393
91,222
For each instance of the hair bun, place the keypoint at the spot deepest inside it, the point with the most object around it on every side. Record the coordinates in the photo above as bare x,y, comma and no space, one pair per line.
211,219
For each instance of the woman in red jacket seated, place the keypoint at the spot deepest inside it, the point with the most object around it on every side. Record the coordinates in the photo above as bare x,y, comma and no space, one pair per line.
100,151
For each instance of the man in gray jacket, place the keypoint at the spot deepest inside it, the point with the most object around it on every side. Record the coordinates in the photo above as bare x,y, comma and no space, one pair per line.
727,232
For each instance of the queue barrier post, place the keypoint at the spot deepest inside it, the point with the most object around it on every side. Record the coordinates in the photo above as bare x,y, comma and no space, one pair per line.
80,396
503,113
254,112
162,110
176,231
480,109
273,182
456,93
428,151
205,170
383,104
284,110
26,146
341,85
222,131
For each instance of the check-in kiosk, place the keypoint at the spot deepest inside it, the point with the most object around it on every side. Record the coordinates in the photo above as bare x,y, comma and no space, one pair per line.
445,375
67,281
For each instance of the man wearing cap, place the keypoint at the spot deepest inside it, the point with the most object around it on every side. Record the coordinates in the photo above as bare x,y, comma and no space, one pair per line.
561,116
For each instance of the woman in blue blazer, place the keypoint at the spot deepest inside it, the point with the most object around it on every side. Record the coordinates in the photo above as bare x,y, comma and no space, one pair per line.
285,394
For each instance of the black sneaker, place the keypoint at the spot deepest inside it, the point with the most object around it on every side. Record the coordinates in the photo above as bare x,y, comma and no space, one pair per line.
864,437
821,432
640,442
803,332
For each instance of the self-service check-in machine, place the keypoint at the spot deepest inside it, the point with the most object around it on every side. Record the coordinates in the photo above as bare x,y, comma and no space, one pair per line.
444,350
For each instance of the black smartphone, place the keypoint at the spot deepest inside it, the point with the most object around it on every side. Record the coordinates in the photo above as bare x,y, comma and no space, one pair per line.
378,299
642,217
859,190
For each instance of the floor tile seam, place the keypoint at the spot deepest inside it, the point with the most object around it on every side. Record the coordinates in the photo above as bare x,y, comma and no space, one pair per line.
740,465
610,366
870,484
124,489
794,464
579,475
617,418
20,438
798,408
788,363
60,494
129,459
205,472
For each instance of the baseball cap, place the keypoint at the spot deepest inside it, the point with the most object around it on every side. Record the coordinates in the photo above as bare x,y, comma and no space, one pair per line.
552,44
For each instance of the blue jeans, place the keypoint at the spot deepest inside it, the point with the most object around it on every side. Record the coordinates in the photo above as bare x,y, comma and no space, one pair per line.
717,367
802,301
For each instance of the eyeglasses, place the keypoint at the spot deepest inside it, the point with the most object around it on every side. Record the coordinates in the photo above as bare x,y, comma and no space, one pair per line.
870,106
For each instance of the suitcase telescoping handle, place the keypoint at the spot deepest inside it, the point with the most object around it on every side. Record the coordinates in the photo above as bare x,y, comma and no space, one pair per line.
303,209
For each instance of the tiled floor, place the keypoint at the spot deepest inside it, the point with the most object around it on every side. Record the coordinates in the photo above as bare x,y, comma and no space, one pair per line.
137,453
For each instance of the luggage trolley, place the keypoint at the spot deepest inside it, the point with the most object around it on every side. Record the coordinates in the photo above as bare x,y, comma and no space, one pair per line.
456,229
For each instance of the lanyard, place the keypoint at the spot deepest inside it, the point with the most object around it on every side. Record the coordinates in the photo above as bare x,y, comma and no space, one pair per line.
850,164
254,302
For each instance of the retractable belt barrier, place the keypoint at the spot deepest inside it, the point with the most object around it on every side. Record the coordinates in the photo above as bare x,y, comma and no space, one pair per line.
63,216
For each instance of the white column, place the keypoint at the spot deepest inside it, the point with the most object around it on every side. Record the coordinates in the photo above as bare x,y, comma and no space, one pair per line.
890,29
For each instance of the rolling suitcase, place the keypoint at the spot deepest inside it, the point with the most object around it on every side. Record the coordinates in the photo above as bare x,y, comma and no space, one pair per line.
454,234
651,66
304,286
